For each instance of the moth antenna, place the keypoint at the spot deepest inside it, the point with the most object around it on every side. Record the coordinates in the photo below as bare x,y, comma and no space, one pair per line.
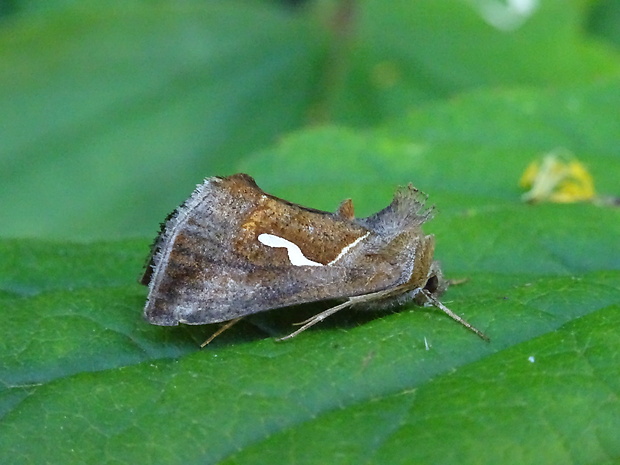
223,328
317,319
453,315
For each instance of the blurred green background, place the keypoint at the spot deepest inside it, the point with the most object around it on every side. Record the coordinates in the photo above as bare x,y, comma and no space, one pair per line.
111,112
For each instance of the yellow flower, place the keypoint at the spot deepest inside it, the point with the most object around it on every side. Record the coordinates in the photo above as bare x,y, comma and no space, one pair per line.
559,178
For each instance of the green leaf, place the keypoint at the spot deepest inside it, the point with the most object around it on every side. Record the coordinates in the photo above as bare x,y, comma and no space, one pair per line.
549,400
112,111
414,52
604,21
125,100
85,380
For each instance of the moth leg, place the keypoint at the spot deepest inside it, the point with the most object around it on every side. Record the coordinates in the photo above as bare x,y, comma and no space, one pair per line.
317,319
436,303
223,328
330,311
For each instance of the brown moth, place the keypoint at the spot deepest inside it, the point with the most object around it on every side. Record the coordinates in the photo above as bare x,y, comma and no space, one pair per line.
232,250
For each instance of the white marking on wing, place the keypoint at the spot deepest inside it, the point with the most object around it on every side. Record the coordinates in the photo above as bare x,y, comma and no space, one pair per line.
295,255
346,248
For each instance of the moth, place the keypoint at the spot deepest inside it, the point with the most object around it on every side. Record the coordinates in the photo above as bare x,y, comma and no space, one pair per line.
232,250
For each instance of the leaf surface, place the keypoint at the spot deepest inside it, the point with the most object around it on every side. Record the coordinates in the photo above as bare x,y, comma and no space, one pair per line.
83,373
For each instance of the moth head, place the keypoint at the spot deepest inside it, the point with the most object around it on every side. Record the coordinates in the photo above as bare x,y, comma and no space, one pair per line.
436,284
